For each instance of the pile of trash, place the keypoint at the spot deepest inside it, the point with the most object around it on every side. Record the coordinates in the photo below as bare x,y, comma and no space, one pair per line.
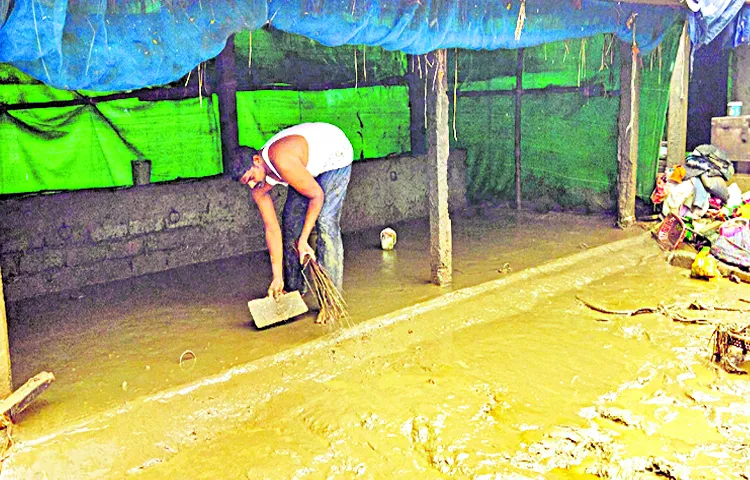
703,208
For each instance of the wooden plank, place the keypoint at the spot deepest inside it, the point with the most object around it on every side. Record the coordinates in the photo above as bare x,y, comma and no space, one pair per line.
517,126
677,113
437,160
627,142
17,401
268,310
6,383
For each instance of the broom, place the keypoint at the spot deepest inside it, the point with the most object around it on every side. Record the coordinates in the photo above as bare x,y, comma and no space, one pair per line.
332,305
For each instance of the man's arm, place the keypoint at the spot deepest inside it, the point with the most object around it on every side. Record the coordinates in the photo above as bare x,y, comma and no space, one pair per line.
273,236
286,160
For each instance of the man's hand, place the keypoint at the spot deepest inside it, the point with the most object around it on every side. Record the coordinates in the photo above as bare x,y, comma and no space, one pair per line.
276,288
305,251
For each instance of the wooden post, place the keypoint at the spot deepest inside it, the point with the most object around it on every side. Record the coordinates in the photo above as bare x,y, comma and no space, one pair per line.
416,76
741,77
227,93
678,103
437,160
6,384
517,150
627,142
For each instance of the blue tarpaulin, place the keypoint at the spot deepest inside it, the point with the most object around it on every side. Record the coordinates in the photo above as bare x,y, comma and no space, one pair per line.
104,45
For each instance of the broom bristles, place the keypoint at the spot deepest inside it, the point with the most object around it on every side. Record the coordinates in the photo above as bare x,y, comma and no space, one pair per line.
332,305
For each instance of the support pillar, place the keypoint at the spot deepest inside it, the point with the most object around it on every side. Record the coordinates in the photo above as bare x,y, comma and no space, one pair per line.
437,161
6,385
741,77
678,103
227,93
415,76
517,149
627,142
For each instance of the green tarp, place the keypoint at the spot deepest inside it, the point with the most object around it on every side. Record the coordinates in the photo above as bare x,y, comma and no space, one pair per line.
569,140
89,146
375,119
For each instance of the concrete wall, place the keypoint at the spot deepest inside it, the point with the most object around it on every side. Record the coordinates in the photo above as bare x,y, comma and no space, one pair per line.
50,243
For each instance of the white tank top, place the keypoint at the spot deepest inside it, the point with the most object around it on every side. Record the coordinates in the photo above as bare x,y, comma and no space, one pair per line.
327,148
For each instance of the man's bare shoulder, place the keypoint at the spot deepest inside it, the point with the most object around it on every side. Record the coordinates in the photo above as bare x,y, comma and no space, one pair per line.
292,144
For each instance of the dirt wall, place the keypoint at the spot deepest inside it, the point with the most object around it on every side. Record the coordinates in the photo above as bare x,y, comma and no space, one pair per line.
51,243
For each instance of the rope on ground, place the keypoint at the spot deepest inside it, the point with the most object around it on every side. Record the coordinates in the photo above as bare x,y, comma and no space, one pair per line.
7,425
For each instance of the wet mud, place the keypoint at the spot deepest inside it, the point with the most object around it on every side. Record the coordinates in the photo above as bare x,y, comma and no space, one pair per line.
510,379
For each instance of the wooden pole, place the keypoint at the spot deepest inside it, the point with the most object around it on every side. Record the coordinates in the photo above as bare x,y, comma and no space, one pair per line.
741,77
627,142
517,150
416,78
437,160
678,103
227,93
6,384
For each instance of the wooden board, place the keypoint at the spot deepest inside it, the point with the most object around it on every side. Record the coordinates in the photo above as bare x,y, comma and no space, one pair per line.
267,311
14,403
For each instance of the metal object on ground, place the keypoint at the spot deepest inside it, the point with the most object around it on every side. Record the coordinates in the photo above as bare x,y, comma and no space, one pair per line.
268,311
141,172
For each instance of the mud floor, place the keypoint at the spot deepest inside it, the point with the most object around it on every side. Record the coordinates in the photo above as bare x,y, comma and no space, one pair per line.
111,343
511,378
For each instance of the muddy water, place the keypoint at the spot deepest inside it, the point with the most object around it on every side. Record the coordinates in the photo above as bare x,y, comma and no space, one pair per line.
112,343
517,381
530,383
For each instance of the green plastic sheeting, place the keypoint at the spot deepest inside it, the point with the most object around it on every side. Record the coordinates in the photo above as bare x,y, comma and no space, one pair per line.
280,58
60,149
656,73
375,119
568,140
92,146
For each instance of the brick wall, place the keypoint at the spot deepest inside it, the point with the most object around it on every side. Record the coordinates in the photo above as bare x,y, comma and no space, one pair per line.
50,243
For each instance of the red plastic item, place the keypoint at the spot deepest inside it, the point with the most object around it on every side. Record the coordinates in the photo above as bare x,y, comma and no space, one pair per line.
671,233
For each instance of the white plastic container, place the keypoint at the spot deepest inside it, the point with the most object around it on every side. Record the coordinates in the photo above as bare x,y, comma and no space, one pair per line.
387,239
734,109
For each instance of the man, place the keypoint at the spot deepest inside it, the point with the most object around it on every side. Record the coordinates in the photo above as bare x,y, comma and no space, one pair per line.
314,160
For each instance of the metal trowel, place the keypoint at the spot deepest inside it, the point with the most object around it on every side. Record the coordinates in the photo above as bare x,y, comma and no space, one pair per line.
268,310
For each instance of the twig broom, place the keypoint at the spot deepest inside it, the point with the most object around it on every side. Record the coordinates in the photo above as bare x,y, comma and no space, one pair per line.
332,305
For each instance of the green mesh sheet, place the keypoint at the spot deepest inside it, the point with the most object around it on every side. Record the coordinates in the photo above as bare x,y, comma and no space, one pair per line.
280,58
375,119
92,146
655,76
568,140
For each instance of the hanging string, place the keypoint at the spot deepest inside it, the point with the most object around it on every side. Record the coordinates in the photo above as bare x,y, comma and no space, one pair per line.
521,20
582,64
250,55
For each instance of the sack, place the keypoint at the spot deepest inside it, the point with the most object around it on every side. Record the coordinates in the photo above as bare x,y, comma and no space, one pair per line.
733,245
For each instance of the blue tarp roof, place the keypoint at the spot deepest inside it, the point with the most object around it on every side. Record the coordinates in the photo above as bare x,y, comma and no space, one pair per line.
103,45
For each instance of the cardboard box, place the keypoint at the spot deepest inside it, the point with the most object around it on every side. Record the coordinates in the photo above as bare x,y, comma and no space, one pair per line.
732,134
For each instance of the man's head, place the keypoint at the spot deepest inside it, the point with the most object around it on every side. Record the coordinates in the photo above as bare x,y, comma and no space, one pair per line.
248,167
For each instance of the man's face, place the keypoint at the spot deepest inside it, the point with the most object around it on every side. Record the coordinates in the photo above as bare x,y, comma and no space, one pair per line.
256,176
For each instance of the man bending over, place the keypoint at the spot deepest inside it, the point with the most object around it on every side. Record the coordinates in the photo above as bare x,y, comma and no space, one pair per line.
314,160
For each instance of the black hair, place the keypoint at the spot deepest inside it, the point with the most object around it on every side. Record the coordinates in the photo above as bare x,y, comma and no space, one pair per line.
242,161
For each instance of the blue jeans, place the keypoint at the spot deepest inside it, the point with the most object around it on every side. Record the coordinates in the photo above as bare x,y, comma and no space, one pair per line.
329,249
